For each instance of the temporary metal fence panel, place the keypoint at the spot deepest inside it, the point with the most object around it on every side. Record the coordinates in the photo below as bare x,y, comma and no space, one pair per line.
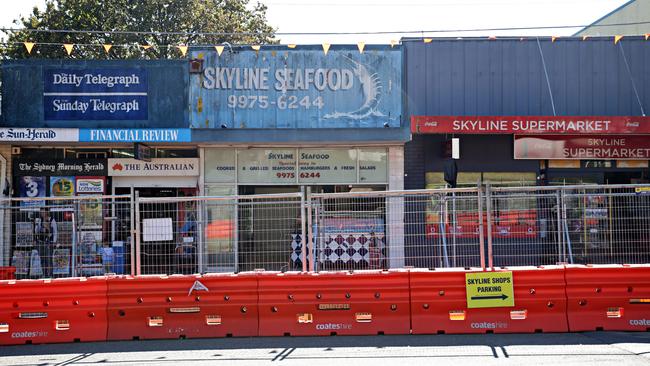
188,235
444,228
570,224
381,230
53,237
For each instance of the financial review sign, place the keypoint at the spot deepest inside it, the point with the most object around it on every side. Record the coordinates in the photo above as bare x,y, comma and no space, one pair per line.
95,94
283,88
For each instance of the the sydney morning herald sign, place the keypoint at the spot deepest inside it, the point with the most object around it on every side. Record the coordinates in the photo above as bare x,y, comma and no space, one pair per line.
95,94
297,89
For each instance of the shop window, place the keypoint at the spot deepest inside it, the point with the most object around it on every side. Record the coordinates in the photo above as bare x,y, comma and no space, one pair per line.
436,180
41,153
176,153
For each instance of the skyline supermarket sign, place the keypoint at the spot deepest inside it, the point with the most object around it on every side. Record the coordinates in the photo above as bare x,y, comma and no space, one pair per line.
531,124
95,94
297,89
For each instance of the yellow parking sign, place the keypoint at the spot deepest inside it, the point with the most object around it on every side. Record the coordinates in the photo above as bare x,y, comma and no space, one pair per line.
489,289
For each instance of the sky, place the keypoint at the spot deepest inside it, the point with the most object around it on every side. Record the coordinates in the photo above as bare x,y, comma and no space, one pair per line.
327,16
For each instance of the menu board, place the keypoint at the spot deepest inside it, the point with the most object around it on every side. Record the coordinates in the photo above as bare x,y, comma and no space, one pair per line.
220,166
327,165
373,166
266,166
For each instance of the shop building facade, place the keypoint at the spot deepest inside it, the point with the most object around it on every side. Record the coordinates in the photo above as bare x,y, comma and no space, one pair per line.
243,122
528,111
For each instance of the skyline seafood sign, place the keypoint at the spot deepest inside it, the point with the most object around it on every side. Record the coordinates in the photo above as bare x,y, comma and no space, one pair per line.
297,89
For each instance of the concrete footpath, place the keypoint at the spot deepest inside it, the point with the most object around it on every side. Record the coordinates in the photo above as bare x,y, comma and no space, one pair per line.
601,348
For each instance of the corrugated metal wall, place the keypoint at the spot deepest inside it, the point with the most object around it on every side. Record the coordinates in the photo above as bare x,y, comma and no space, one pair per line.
506,77
22,91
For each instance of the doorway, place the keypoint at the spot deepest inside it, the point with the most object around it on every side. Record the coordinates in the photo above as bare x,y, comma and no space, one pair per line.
166,231
268,228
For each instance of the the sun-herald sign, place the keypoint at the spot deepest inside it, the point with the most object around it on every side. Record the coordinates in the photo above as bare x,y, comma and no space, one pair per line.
297,89
592,147
95,94
39,134
531,124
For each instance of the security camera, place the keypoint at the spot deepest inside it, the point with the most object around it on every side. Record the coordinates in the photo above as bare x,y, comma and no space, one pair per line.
386,125
223,125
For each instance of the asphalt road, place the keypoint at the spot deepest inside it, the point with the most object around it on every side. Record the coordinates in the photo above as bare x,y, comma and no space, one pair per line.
596,348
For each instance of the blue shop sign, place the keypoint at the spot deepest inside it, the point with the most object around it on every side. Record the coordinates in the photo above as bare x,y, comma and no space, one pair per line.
297,89
95,94
135,135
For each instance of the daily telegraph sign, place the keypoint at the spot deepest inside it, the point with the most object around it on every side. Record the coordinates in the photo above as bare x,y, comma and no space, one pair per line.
95,94
531,124
297,89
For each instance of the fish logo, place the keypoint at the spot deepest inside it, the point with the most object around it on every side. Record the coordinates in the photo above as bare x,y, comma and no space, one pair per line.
371,87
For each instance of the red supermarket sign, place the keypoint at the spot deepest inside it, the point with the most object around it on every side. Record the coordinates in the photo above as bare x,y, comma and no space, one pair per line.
593,147
531,124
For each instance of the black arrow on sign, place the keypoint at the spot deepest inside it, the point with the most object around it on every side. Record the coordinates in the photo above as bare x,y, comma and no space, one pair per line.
493,297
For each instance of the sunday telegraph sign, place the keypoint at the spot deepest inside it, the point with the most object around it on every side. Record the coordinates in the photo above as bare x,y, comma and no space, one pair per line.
531,124
95,94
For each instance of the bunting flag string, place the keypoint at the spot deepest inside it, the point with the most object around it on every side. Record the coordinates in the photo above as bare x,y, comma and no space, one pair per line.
326,47
29,46
184,48
68,48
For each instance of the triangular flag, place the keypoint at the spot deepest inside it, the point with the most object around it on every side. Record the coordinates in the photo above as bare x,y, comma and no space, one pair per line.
183,49
326,47
68,47
219,49
393,42
293,45
197,286
617,38
584,38
553,38
647,35
428,40
361,46
145,46
256,47
107,47
30,45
